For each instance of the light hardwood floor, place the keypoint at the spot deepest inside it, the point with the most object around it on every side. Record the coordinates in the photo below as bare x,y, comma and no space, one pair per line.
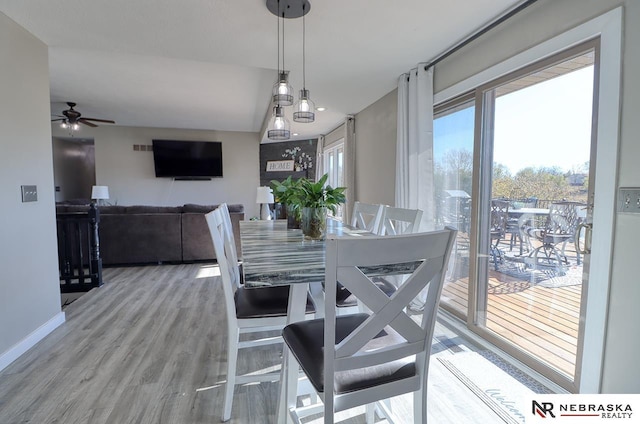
149,347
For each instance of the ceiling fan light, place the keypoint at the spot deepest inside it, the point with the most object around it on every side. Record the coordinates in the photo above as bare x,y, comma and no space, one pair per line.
75,127
64,125
282,90
304,110
279,125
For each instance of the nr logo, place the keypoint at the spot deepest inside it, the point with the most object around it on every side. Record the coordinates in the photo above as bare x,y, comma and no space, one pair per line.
543,409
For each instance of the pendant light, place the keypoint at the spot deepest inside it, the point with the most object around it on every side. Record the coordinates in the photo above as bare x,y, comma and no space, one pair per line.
304,110
279,125
282,90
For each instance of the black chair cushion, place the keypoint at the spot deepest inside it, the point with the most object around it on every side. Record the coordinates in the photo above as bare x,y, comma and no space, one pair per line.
263,302
306,341
345,299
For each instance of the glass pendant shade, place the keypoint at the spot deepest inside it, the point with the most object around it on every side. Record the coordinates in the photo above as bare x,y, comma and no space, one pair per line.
282,91
279,127
305,109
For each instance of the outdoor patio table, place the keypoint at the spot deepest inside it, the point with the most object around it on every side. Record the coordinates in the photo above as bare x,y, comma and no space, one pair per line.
523,215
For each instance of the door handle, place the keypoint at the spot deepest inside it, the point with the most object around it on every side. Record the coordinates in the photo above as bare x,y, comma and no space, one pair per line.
587,237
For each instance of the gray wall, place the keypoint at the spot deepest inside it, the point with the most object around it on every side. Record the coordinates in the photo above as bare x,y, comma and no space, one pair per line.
376,151
545,19
29,288
131,179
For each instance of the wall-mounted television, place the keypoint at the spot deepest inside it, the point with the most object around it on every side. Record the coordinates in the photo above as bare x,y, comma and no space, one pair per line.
187,159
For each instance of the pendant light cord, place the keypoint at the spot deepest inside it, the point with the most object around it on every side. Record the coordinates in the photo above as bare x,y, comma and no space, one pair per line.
283,68
304,31
278,40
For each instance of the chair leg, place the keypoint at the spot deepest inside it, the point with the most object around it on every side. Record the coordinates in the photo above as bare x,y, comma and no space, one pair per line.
420,406
371,413
232,360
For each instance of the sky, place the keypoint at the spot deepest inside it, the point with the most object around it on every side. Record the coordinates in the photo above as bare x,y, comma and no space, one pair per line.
547,124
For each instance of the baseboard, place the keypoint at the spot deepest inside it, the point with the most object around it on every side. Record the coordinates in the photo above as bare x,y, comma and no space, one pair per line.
28,342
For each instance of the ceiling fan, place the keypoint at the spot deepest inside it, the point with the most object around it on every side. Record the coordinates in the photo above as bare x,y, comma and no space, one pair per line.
71,118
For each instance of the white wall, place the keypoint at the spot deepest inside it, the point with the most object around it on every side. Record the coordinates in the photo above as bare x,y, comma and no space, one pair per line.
29,287
540,22
131,178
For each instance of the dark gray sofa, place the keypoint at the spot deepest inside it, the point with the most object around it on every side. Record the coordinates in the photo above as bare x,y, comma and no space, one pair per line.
156,234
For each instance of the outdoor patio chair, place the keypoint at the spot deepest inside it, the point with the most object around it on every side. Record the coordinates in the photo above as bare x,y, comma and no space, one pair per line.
499,218
514,225
559,230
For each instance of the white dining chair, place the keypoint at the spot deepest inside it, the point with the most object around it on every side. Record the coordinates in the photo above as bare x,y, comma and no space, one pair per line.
249,310
367,216
361,359
397,221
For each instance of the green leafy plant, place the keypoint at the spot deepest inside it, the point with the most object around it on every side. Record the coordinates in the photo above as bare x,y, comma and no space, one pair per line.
285,192
319,194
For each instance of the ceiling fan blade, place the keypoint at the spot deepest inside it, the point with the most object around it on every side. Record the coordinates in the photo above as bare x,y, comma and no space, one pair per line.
108,121
83,121
59,119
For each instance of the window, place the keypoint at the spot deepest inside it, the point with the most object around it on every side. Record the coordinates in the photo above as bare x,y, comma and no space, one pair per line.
334,166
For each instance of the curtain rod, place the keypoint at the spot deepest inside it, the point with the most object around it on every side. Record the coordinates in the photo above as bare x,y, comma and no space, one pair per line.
480,33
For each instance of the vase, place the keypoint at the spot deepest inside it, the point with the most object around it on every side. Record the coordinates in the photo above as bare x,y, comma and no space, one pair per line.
314,223
280,211
293,217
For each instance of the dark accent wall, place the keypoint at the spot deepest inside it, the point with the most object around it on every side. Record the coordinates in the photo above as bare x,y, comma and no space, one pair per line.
74,168
303,152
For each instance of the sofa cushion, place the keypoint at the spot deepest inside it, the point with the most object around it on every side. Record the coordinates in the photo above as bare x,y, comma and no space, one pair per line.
236,208
153,209
112,209
191,208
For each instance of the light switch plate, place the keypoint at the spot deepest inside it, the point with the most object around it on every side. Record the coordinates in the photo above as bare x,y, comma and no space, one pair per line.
629,200
29,193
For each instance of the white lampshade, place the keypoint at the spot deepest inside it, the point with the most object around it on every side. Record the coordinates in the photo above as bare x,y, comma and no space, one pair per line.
264,195
100,192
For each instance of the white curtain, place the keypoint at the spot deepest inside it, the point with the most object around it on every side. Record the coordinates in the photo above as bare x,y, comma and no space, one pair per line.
320,158
349,165
414,148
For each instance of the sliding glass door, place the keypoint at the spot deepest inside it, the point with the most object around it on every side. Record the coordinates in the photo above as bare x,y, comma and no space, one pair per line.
514,172
453,127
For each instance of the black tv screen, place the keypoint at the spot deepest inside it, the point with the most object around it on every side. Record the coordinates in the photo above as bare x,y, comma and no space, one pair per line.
187,159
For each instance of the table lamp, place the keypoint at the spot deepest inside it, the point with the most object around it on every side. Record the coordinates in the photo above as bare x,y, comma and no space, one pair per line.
264,196
100,193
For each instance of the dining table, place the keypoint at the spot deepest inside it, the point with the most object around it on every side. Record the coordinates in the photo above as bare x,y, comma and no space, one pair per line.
272,254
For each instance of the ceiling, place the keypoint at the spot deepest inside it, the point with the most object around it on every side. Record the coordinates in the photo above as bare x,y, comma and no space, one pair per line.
211,64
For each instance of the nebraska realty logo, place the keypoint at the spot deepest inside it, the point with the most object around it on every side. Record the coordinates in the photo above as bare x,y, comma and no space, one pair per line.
584,408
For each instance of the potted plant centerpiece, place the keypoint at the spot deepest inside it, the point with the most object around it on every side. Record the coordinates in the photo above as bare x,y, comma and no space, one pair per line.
314,199
287,194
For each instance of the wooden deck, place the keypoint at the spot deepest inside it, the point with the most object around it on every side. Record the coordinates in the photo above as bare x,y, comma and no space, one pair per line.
541,321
